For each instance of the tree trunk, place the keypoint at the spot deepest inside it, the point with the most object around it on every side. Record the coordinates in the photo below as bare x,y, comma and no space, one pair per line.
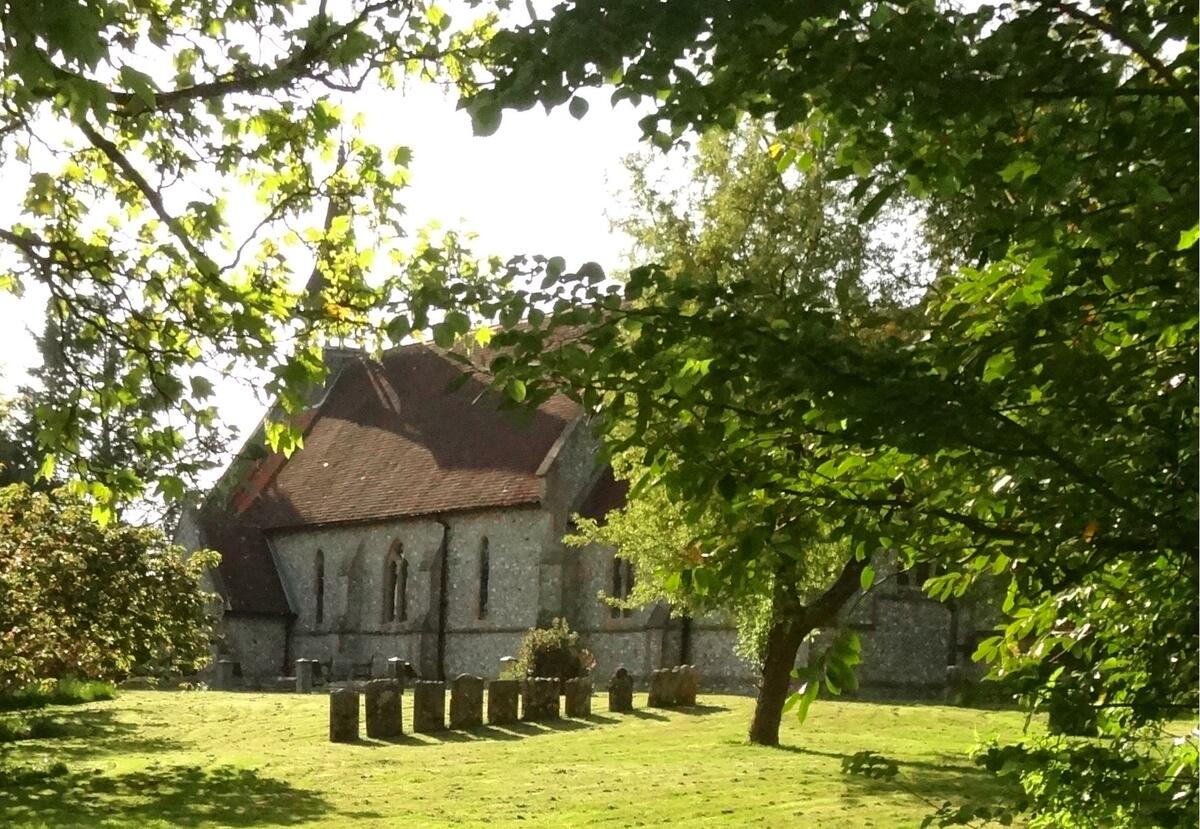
783,641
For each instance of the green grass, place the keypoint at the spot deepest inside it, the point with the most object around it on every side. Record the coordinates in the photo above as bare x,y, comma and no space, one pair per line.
207,759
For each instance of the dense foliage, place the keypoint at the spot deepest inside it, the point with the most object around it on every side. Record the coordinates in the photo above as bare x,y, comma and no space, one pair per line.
784,237
553,651
91,602
176,158
1035,419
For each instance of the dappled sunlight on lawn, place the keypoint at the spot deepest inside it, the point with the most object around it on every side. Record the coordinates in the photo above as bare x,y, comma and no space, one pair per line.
194,759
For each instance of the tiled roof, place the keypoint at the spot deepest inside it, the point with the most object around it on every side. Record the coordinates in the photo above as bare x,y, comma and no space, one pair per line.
387,441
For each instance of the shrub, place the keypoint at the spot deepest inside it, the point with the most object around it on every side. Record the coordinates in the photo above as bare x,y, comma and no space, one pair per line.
56,692
553,651
97,602
17,727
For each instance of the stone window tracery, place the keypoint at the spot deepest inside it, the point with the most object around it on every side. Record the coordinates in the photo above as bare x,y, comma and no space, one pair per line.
319,587
485,566
622,586
395,585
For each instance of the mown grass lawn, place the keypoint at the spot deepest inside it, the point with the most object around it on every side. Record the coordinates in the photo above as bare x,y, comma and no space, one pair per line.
200,759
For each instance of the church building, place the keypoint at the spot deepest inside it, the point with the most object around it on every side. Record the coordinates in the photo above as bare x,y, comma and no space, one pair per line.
427,524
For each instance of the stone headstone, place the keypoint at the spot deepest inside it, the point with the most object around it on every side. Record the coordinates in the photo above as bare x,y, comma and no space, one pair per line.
343,715
578,697
956,684
429,706
341,670
502,697
304,675
688,685
225,669
383,709
663,687
466,701
620,691
401,671
539,698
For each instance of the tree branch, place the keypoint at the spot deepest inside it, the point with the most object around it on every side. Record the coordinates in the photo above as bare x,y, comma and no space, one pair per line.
1151,60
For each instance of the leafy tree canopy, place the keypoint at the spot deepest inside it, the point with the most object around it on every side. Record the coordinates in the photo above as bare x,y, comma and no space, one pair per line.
1036,418
90,602
174,155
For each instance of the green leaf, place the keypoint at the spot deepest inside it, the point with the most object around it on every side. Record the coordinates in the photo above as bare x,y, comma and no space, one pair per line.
202,388
140,85
578,107
872,207
867,577
516,390
1187,238
1021,169
171,487
485,119
46,470
998,366
443,335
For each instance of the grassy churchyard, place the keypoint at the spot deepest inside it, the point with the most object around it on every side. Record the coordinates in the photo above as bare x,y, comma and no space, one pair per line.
209,759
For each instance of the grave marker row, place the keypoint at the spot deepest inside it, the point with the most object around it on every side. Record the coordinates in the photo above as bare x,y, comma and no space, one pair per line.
539,698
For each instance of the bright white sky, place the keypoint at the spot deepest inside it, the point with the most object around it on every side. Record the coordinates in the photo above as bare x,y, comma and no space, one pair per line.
541,184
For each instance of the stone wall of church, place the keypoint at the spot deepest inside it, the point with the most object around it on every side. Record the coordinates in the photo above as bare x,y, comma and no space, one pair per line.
646,638
354,628
531,577
256,643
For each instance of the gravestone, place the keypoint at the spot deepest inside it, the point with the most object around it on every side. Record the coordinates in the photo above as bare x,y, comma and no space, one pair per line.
502,701
225,668
343,715
578,697
401,671
383,709
466,701
688,685
663,688
429,706
620,691
304,675
956,685
539,699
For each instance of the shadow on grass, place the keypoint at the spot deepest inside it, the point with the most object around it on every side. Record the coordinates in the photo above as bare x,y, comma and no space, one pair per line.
646,714
508,731
933,782
187,796
529,728
76,735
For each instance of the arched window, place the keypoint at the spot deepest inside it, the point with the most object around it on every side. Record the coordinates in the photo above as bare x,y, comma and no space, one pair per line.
485,567
319,586
395,585
622,585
